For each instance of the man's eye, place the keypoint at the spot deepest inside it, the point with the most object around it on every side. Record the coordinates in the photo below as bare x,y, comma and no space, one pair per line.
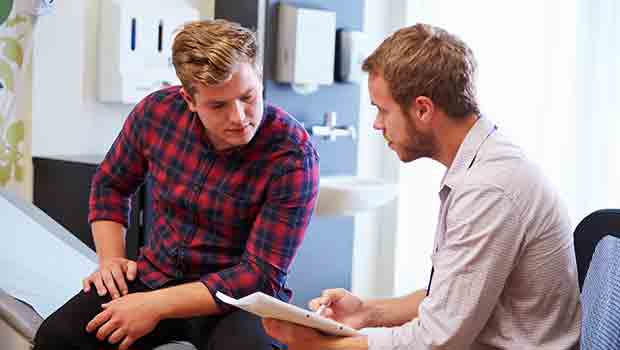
217,106
247,98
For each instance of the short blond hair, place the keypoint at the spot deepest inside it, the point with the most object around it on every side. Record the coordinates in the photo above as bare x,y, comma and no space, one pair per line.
423,60
206,52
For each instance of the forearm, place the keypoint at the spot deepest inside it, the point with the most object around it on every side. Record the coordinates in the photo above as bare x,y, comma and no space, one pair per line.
394,311
343,343
185,300
109,237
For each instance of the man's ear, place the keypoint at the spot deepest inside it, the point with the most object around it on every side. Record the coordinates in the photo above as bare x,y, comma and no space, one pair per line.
189,99
423,108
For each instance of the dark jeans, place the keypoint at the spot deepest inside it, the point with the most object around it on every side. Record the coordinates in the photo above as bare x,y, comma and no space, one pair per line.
66,328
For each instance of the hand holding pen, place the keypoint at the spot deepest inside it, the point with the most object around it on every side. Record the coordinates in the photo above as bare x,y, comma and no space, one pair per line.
341,306
320,309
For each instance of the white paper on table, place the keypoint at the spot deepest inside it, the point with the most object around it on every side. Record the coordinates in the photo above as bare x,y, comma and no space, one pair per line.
266,306
41,263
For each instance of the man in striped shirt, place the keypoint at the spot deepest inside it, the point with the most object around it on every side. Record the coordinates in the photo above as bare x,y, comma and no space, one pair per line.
504,272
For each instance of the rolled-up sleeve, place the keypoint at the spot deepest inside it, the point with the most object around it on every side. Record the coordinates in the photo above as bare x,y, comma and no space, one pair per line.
121,172
483,238
277,231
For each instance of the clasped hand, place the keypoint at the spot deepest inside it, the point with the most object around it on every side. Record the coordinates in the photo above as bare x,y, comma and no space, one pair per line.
126,319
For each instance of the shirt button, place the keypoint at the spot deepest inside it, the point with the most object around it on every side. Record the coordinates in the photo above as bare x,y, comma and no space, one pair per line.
197,188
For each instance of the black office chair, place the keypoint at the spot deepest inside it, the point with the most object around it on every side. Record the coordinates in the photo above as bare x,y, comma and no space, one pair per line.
589,232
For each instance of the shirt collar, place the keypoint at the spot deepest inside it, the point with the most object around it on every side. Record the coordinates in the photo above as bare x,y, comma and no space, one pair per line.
467,152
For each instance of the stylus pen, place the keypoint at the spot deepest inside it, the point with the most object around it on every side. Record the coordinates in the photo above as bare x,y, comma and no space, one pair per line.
320,309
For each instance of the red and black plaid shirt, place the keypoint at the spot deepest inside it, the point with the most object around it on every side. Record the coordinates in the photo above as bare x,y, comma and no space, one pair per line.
234,219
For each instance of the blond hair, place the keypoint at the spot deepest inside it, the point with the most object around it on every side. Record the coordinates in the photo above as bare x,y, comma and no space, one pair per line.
423,60
206,52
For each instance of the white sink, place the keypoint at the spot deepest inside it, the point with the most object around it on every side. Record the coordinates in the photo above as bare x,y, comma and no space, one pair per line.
349,195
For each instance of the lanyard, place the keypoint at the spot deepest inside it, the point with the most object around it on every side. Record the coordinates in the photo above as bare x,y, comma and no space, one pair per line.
430,280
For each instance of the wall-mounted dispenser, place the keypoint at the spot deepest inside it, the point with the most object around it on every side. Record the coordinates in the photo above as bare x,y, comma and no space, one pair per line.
135,42
306,47
352,50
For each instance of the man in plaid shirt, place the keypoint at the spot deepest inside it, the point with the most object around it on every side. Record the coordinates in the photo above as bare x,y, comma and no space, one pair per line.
233,182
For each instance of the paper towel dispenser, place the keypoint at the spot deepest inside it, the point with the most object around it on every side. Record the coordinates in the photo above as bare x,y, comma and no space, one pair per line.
305,48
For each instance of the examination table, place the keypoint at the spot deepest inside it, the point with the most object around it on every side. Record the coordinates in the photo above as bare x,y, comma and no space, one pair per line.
41,267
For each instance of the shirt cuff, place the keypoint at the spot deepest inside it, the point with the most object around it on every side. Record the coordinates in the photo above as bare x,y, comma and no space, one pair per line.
379,338
215,284
109,216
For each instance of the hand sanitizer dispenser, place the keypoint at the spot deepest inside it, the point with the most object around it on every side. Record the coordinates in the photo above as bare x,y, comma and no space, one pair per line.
306,47
135,47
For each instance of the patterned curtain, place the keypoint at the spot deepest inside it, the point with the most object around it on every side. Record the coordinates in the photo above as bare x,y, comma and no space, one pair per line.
15,98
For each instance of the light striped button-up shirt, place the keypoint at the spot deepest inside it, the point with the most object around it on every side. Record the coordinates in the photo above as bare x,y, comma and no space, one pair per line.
505,275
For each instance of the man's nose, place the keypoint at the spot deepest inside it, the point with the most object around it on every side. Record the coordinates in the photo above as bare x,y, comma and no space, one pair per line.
378,124
237,113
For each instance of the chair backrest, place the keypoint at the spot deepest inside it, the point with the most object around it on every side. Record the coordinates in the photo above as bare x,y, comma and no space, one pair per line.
589,232
600,300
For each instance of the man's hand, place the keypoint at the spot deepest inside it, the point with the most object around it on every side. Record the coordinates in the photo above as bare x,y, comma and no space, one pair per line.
111,277
126,319
294,336
342,306
302,338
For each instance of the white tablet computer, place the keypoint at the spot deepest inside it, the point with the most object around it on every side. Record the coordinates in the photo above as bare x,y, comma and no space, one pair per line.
269,307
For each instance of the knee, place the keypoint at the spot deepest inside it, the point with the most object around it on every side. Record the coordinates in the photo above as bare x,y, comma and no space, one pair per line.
52,335
66,327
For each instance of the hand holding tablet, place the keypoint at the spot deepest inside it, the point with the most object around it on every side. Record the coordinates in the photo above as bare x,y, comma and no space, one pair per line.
269,307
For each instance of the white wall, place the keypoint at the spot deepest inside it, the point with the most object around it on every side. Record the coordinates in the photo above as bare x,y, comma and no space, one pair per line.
66,117
375,232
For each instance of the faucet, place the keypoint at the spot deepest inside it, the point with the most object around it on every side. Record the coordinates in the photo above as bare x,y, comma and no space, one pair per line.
329,130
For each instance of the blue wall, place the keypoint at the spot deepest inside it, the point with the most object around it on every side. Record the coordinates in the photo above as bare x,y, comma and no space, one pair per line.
325,258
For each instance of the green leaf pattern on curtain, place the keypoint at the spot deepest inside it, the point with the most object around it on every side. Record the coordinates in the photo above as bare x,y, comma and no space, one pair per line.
5,10
12,128
6,75
13,50
17,20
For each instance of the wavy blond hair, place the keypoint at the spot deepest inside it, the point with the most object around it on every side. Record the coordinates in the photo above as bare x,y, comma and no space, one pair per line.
206,52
